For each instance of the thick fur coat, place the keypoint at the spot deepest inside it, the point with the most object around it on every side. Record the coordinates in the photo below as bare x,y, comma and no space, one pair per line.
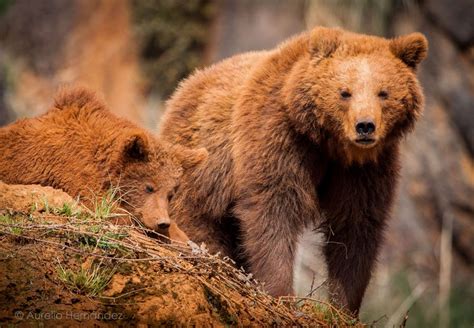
307,133
79,146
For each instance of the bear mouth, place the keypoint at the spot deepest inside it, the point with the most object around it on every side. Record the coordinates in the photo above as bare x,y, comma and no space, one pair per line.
365,141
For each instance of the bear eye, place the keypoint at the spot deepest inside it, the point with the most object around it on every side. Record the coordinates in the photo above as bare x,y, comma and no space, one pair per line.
149,189
345,94
383,94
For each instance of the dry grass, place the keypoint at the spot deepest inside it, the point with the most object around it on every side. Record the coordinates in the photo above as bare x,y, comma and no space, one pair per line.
230,291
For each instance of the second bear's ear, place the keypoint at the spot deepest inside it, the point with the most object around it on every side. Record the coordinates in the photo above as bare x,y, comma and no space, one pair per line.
135,148
411,48
190,158
324,41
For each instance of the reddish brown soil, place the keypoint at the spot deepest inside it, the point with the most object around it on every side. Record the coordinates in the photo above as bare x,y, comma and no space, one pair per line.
151,284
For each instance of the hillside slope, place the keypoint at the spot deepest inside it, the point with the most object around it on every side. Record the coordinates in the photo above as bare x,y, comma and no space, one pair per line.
64,264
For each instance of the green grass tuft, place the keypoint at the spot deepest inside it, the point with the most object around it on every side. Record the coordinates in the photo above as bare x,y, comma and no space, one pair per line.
108,241
334,317
104,206
8,219
66,210
90,282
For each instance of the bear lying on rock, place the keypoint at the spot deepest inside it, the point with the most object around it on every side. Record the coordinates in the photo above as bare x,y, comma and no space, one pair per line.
307,133
79,146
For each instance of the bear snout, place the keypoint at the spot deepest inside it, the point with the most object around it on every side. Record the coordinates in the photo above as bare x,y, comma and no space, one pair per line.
365,127
163,224
160,222
365,132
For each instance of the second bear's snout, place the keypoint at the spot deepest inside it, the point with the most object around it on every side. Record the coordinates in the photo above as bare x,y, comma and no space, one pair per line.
163,224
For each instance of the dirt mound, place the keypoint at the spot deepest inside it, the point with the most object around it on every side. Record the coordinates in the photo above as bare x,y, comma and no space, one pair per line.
33,198
63,264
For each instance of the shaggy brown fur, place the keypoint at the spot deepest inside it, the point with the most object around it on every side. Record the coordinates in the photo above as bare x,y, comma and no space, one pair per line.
82,148
286,150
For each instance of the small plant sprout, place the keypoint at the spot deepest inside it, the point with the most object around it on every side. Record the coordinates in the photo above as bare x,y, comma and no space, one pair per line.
104,206
90,282
34,207
10,222
68,210
108,241
46,206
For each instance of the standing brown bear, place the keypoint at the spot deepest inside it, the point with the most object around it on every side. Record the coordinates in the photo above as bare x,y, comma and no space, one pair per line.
82,148
307,133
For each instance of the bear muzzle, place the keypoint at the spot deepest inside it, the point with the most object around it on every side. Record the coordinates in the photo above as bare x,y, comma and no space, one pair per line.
365,132
162,224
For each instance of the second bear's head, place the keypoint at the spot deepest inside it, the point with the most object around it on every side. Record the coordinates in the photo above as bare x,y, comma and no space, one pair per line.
358,91
126,165
147,174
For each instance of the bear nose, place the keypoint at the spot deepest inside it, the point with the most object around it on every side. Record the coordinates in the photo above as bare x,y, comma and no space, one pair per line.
365,127
163,224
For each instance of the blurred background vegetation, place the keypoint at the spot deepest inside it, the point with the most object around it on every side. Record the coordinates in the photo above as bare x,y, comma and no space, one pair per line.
135,53
172,38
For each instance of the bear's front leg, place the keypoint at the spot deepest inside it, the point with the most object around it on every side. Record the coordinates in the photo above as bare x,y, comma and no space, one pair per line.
350,254
275,200
269,233
356,202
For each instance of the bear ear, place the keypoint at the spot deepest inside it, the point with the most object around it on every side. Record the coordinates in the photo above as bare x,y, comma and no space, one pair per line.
135,148
324,41
411,48
190,158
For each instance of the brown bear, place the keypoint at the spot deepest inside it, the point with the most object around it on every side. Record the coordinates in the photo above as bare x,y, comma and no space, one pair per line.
307,133
79,146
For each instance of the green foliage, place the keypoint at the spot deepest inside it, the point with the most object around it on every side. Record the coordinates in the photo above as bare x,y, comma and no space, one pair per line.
172,36
4,4
461,303
46,205
104,206
89,282
424,312
108,241
8,219
66,210
334,317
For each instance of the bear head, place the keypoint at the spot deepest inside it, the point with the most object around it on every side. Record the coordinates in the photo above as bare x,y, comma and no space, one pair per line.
147,175
356,93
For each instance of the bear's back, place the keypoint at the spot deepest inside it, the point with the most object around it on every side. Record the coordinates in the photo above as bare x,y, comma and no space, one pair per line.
69,147
79,114
206,99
